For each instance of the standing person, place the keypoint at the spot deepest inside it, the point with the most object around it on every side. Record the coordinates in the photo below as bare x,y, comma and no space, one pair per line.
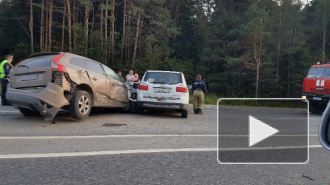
137,81
120,76
199,89
5,67
130,78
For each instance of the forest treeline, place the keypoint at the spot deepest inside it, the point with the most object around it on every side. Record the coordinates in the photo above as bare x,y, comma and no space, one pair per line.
242,48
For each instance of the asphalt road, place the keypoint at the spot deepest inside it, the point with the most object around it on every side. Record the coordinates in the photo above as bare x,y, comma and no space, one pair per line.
111,147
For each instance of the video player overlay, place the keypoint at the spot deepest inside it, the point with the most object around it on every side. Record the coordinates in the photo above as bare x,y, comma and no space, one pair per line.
262,131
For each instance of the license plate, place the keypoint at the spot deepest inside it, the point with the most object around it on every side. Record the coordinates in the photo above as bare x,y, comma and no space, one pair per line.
162,90
29,77
317,98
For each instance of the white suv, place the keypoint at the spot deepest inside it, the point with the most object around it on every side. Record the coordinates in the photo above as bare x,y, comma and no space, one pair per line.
163,89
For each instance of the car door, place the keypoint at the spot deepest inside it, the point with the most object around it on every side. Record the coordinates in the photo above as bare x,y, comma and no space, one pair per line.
117,87
98,80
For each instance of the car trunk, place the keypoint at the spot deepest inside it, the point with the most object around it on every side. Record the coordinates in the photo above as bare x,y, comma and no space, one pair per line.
162,86
32,72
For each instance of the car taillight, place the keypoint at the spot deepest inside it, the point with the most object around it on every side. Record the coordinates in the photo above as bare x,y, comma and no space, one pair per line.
182,89
144,87
56,66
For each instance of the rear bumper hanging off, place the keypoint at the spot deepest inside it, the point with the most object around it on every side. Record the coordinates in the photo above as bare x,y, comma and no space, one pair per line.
48,101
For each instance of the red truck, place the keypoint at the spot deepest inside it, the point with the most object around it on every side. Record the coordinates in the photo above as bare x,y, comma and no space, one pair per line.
316,87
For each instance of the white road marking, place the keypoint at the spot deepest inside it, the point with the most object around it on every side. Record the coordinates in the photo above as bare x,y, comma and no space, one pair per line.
127,136
293,118
1,112
138,151
96,153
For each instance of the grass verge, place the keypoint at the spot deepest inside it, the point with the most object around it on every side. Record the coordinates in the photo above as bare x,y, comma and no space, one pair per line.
211,99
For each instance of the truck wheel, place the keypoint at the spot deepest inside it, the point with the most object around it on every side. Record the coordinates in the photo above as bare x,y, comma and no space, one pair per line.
28,112
80,105
184,114
316,108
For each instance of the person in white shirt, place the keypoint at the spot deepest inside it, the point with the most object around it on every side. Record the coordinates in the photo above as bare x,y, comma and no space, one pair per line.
130,78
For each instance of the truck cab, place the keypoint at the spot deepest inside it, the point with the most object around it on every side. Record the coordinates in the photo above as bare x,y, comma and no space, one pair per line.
316,87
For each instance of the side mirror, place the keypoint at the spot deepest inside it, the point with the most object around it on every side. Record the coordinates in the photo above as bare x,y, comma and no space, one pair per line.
189,87
324,132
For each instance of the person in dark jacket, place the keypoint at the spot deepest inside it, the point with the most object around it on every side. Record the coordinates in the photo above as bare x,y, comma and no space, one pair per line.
121,78
5,67
199,89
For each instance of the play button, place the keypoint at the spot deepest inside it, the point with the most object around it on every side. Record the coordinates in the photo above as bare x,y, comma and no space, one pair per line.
259,131
263,131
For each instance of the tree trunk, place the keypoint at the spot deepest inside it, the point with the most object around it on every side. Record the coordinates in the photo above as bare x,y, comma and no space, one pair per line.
69,22
324,33
50,25
74,20
63,23
136,36
257,61
86,29
106,32
279,49
101,28
93,24
129,31
113,31
93,16
46,26
123,37
31,25
42,34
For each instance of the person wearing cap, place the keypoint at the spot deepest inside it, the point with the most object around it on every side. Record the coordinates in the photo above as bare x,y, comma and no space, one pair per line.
5,67
199,89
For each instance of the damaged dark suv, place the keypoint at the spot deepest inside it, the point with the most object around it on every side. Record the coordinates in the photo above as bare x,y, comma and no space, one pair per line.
46,82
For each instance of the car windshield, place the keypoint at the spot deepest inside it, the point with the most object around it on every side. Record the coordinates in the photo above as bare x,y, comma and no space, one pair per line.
163,77
41,61
316,72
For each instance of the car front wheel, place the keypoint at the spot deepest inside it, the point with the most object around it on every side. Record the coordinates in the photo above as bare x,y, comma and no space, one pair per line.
80,104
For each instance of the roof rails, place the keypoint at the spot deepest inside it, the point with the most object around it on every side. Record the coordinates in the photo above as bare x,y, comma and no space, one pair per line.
44,54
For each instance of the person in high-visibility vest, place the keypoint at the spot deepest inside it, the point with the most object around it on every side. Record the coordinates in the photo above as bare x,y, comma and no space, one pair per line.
199,89
5,67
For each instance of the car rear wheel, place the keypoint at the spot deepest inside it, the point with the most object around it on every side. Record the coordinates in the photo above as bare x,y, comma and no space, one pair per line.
133,104
316,108
134,109
80,105
184,114
28,112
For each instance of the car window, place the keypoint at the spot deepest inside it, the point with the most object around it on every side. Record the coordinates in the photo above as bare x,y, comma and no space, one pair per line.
41,61
327,73
163,77
94,67
110,73
77,61
316,72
